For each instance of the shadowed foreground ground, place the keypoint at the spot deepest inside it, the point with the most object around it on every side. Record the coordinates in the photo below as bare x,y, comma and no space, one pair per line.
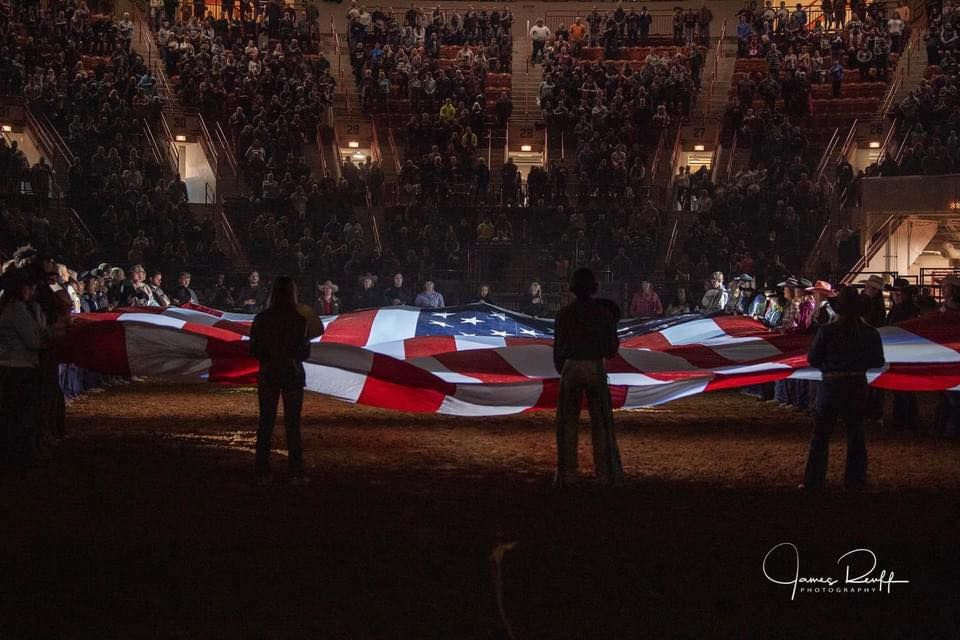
147,525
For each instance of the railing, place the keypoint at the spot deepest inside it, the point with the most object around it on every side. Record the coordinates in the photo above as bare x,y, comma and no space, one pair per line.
877,240
656,155
376,233
209,195
546,146
173,153
394,151
206,143
716,69
323,156
337,154
903,144
715,160
674,158
733,153
375,142
827,154
887,141
848,142
674,234
229,233
152,142
891,95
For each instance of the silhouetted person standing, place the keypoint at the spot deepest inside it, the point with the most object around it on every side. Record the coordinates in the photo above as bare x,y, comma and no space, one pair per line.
586,333
843,351
279,340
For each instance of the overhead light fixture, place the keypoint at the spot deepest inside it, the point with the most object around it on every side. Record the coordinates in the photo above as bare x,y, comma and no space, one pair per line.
358,156
353,144
526,147
180,138
874,145
7,128
698,147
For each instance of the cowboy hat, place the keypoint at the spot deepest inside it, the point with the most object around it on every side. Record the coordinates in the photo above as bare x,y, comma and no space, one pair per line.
874,282
790,282
327,284
824,287
369,275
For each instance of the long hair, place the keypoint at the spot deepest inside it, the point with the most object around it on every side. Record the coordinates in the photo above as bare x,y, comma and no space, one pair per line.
284,294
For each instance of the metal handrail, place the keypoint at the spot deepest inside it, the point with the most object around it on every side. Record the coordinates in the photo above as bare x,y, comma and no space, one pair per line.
227,149
886,142
903,144
656,155
848,141
323,156
375,142
827,152
151,139
209,195
876,241
674,158
673,239
376,233
206,142
733,152
171,143
393,150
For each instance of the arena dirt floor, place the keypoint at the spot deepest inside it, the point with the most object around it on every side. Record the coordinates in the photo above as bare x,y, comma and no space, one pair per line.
147,524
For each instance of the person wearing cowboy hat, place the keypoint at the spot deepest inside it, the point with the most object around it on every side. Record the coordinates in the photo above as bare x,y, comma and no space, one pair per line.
843,351
743,296
367,297
874,310
327,303
586,334
822,292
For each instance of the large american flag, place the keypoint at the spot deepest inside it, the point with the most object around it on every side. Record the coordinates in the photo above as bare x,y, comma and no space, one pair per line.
478,360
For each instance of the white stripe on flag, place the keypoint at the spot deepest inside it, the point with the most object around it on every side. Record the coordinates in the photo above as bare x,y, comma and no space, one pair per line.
334,381
155,351
467,343
492,399
393,325
650,396
438,369
155,319
531,360
192,315
900,345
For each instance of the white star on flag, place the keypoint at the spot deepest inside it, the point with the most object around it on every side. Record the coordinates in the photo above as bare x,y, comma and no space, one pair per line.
499,334
443,314
474,321
528,332
499,315
440,324
468,335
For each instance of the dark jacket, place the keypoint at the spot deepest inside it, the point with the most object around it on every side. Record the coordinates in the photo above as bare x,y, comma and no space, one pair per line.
397,293
847,346
183,295
874,312
258,294
907,310
367,299
278,339
586,329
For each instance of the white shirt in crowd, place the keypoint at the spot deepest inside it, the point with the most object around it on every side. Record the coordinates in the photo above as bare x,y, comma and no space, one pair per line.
540,34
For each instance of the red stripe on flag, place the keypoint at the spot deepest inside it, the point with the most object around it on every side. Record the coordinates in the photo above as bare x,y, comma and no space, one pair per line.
352,328
98,346
920,377
394,384
426,346
487,365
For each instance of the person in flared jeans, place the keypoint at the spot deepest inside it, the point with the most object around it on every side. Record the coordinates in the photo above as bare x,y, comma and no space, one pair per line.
268,396
579,378
839,396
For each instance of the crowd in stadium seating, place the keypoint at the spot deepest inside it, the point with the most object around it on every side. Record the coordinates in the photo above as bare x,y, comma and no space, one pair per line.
448,60
787,36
